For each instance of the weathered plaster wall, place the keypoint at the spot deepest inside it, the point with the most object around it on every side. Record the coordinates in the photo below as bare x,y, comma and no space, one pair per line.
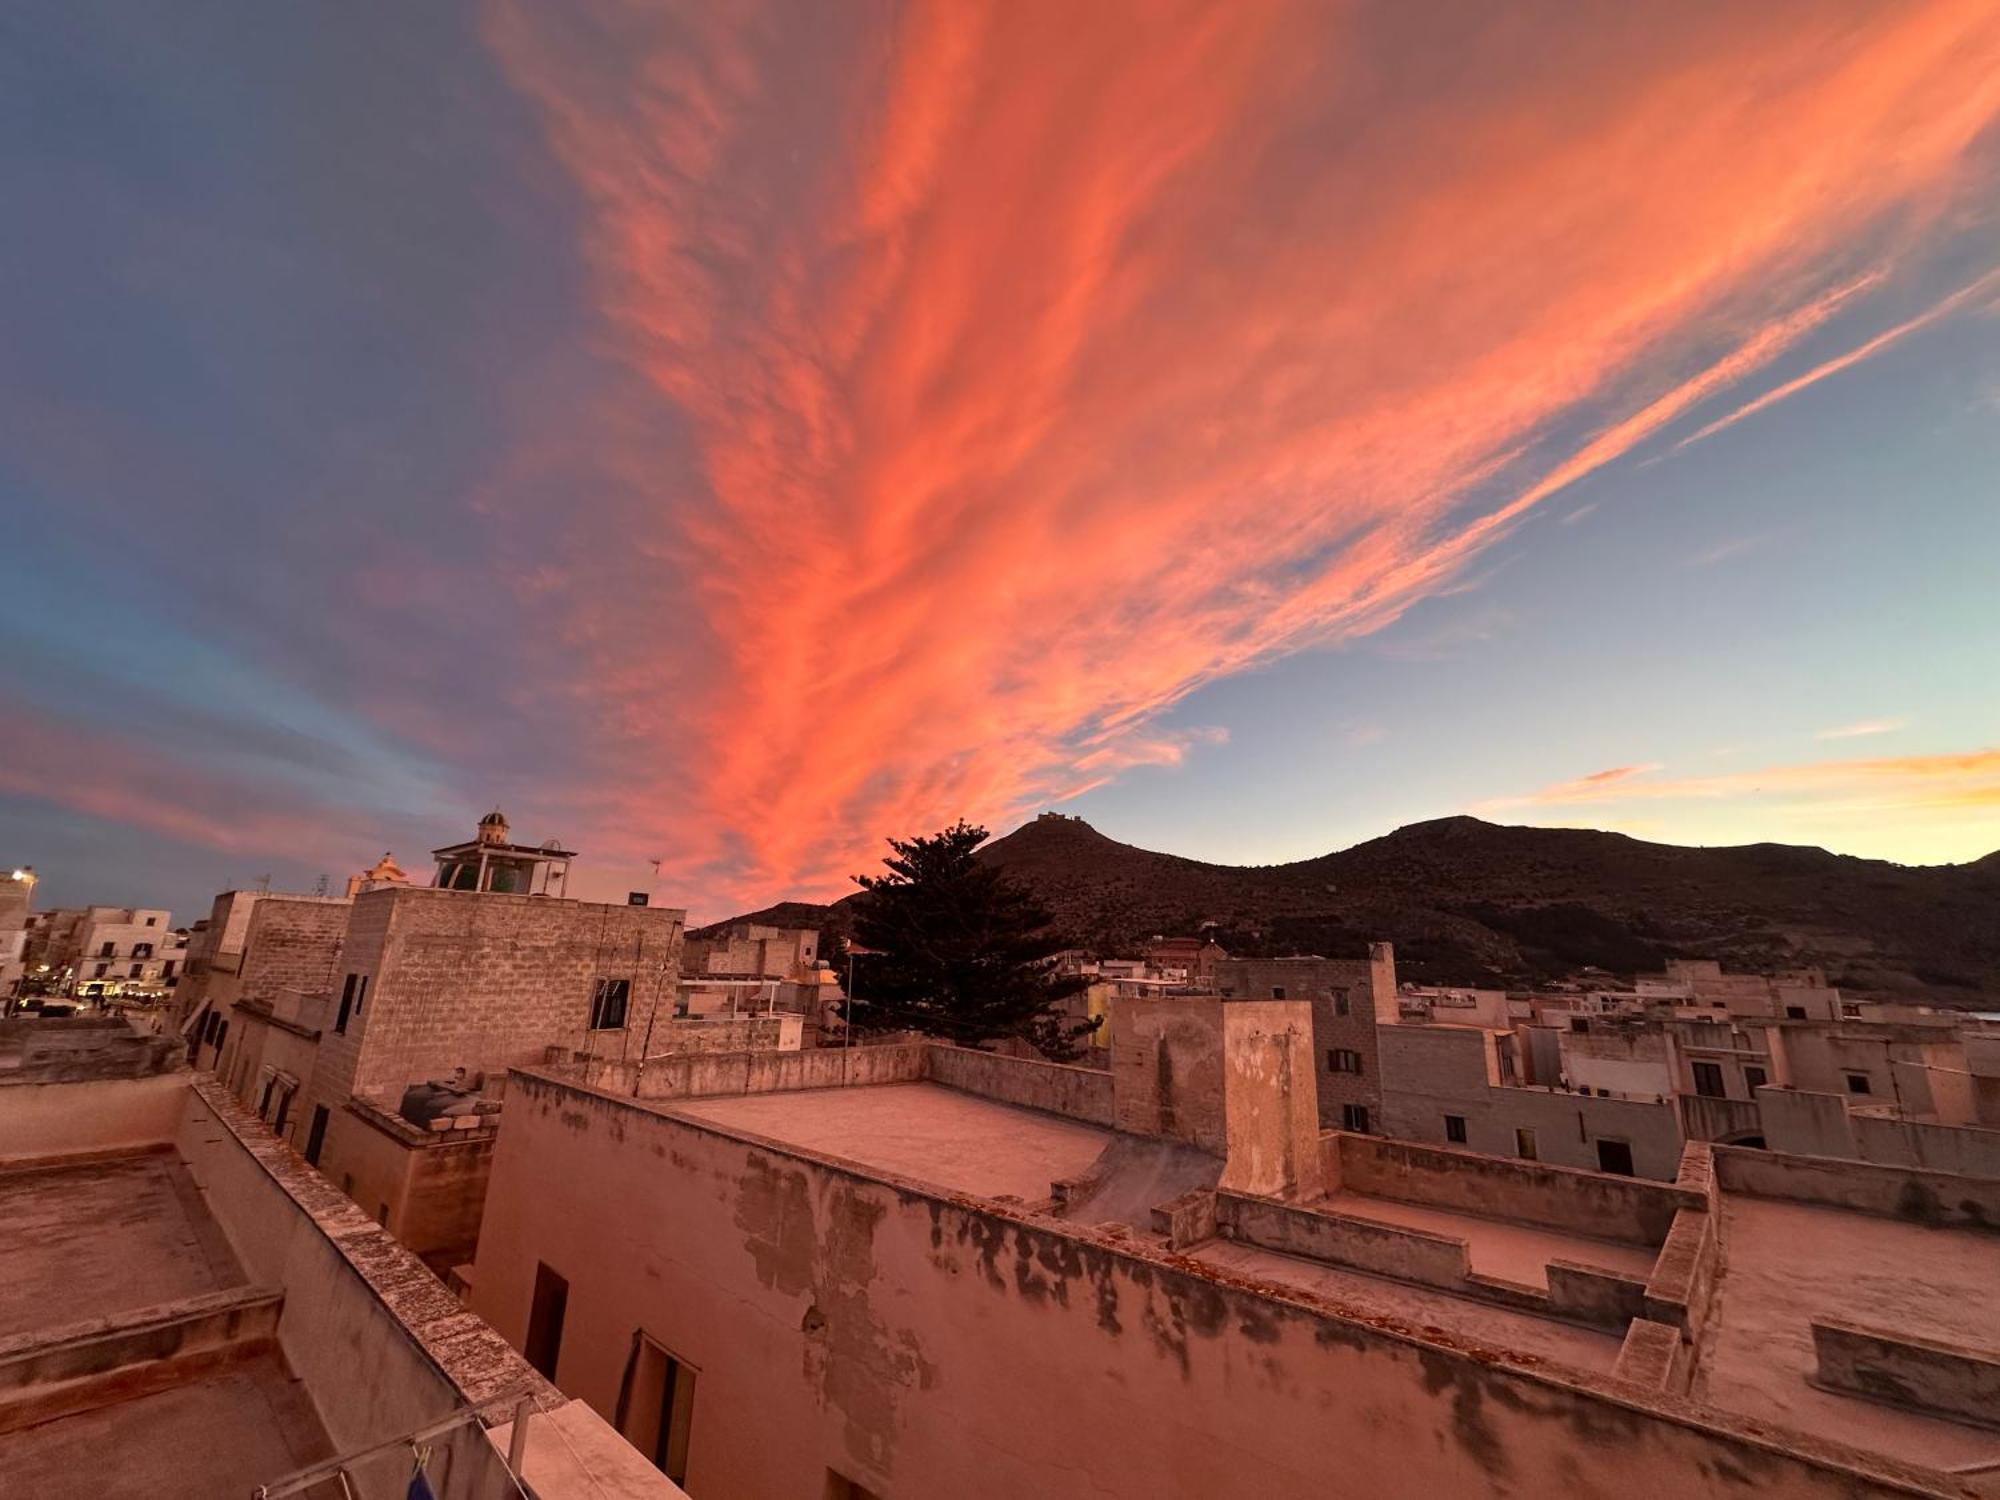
694,1075
1359,987
925,1345
1805,1123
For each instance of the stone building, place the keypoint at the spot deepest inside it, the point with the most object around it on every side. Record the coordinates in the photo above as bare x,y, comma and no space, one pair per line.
104,951
374,1034
189,1310
1349,998
919,1270
749,966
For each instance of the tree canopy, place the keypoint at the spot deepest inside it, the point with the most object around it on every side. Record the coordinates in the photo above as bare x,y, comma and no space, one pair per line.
952,947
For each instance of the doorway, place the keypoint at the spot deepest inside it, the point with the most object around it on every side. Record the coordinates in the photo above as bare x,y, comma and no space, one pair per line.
1615,1156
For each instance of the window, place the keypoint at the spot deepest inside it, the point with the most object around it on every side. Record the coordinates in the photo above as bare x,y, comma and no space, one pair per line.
1340,1003
1754,1079
1857,1083
1615,1156
152,921
315,1137
1354,1117
102,970
1579,1023
607,1004
1343,1060
656,1406
138,972
221,1035
1708,1080
1277,992
545,1320
1524,1144
284,1110
1795,1012
346,1005
167,969
109,950
208,1026
264,1102
142,950
360,994
1454,1129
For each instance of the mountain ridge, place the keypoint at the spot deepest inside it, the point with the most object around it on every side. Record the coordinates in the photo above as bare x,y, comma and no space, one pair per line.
1472,902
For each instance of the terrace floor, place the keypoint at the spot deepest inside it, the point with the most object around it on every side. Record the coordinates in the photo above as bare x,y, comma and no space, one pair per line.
1785,1264
922,1131
1512,1252
89,1239
221,1435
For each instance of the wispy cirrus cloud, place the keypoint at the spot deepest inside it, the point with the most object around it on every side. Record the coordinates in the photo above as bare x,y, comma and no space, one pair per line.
1862,729
1016,369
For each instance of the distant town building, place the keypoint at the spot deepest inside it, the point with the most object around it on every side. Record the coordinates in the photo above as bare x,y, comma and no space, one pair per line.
1349,997
374,1033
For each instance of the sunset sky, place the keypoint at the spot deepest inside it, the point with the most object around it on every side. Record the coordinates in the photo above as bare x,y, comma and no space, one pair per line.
727,434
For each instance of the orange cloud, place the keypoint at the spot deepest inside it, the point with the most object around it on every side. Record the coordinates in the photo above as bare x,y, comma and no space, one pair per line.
1044,363
1921,808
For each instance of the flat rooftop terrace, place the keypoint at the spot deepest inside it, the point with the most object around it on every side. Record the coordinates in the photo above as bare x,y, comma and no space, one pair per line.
921,1131
157,1373
88,1239
1785,1265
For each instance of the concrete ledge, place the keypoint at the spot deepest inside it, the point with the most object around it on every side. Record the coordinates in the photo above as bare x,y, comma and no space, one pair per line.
1653,1358
1186,1221
1926,1375
52,1372
695,1075
1678,1292
1338,1239
1591,1294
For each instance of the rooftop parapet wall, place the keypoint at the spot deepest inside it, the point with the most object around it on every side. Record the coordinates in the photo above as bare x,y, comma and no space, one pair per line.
79,1048
706,1074
1056,1088
1942,1199
1927,1375
1630,1210
381,1346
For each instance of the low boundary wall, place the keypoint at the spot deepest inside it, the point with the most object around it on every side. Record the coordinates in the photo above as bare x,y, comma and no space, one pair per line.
1629,1210
1928,1375
1942,1199
1057,1088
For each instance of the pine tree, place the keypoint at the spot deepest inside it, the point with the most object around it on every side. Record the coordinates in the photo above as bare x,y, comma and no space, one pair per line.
954,948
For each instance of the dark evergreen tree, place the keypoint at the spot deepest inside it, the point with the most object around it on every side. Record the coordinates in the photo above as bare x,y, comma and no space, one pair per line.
952,947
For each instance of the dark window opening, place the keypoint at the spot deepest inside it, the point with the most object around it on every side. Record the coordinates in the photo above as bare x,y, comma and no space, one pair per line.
1277,992
545,1321
316,1137
1343,1060
1340,1003
1754,1079
109,950
1708,1080
1579,1023
1524,1144
1615,1156
346,1005
1354,1117
1454,1129
1857,1083
1795,1012
656,1406
607,1004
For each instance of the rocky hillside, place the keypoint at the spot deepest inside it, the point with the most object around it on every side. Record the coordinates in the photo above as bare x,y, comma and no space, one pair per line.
1472,902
